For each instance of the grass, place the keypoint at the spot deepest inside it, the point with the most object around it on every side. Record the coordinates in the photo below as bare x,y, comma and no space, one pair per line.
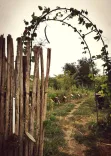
86,108
86,132
63,110
54,137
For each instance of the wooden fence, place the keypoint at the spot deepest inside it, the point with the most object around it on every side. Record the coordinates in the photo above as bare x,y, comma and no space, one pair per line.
22,101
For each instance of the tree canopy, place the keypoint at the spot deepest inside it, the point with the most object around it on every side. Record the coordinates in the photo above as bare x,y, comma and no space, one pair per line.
81,72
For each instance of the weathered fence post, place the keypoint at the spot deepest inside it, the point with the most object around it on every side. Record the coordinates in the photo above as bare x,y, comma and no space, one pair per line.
46,80
34,102
2,90
27,88
41,104
21,116
8,86
37,113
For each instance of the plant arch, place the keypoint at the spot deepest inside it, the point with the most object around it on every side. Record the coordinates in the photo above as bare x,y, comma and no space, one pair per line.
31,27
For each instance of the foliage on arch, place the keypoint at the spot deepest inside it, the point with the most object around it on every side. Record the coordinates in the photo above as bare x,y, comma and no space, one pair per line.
30,28
62,15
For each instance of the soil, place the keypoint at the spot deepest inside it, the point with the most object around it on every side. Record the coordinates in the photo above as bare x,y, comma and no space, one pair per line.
72,148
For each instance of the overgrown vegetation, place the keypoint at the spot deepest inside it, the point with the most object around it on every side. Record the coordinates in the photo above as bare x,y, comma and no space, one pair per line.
86,130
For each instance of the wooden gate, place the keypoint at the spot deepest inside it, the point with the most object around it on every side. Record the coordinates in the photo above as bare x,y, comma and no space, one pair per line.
22,99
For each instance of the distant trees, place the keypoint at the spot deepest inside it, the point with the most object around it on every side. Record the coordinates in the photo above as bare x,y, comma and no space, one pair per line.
81,72
61,81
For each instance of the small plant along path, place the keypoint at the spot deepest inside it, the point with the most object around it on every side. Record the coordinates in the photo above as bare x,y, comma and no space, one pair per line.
72,148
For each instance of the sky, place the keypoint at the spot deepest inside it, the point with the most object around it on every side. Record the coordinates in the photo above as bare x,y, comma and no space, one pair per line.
64,43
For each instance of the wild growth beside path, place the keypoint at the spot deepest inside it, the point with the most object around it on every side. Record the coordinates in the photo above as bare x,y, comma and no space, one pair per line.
71,130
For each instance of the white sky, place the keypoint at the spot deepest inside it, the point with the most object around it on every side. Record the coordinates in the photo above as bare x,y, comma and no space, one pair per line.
65,44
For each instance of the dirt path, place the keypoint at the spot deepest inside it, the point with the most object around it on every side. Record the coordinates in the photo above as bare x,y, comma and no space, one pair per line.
73,148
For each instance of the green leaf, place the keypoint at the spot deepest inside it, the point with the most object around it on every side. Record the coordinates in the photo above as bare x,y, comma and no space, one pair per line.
48,10
40,8
88,25
93,57
103,48
33,14
106,46
86,12
29,28
84,52
32,26
74,12
98,56
26,23
85,48
100,31
97,38
82,42
80,20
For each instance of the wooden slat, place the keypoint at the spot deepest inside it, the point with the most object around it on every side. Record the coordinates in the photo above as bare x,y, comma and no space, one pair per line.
2,91
2,86
24,93
27,88
1,42
12,88
46,80
8,87
17,92
41,104
33,106
21,118
37,113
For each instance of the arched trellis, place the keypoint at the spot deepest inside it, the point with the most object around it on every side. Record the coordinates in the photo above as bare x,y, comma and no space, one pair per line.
30,31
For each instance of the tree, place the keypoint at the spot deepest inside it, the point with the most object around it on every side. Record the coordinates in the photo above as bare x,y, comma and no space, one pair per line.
84,69
70,67
80,72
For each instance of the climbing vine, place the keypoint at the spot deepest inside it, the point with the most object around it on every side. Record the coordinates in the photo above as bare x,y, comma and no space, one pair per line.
62,15
30,29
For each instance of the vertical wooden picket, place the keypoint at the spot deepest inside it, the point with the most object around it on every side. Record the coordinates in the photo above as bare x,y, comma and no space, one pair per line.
33,106
46,80
37,113
2,89
41,103
12,89
21,118
8,86
27,88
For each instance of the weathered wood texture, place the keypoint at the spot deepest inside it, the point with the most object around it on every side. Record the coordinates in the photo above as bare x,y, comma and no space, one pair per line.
30,99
